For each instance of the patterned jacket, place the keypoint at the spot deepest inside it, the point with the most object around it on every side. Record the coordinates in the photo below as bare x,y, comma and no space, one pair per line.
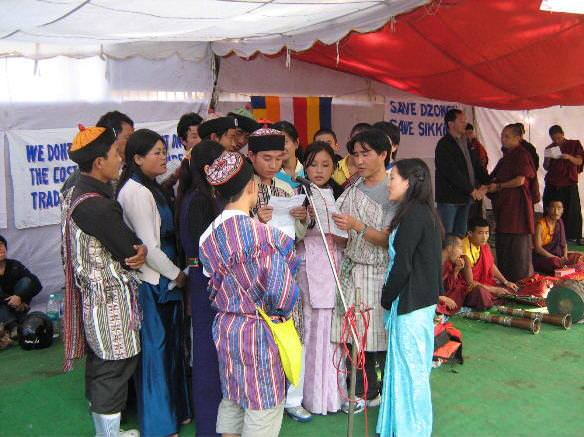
100,301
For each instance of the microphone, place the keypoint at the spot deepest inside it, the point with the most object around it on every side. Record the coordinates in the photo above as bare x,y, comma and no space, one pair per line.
303,181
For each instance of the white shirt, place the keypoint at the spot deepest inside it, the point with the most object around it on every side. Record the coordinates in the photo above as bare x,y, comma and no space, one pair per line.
141,215
224,216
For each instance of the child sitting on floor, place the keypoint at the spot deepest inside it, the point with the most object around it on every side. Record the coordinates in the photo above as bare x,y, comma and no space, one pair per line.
550,248
480,268
456,290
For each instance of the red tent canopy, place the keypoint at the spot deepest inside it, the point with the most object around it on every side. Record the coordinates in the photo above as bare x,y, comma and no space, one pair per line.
504,54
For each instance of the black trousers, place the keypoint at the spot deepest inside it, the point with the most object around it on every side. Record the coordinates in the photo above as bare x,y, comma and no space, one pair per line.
106,382
572,213
373,362
8,316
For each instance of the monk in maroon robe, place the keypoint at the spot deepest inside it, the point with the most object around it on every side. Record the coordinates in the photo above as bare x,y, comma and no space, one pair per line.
457,292
514,191
551,249
564,162
480,270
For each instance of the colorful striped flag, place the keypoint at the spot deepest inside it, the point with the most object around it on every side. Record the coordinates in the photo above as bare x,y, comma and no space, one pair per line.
309,114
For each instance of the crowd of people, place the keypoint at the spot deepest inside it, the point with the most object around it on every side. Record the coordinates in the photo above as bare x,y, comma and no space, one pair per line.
167,267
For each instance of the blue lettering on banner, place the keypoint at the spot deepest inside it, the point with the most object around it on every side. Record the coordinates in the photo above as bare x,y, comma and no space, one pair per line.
173,157
35,153
45,199
404,108
406,127
412,126
426,129
432,110
60,174
58,152
176,142
39,176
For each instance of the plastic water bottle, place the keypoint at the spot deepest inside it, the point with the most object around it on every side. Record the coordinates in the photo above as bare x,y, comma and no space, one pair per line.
61,295
53,312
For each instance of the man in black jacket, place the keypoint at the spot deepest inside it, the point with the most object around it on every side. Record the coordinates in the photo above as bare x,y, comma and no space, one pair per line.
460,179
17,288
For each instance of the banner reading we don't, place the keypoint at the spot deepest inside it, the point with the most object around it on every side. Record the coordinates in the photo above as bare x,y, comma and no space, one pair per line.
40,164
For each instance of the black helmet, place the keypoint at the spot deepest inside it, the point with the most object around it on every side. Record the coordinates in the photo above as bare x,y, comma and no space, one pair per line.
36,332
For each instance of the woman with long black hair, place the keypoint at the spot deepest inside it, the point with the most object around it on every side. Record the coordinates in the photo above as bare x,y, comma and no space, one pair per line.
163,400
197,210
410,294
315,278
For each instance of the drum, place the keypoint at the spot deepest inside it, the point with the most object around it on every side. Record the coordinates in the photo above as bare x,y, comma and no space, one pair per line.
567,297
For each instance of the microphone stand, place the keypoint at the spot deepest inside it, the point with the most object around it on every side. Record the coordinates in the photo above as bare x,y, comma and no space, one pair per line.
308,190
307,186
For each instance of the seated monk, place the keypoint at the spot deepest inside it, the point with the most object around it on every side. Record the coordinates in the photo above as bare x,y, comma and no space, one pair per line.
456,290
480,270
550,247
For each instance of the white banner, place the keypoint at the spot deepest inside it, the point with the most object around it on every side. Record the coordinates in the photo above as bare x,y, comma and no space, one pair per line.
421,123
3,211
39,164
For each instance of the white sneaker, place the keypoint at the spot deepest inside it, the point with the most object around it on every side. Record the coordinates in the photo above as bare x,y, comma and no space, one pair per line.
299,414
129,433
375,402
357,408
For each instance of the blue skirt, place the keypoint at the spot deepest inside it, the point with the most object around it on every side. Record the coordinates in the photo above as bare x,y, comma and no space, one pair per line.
406,403
206,383
163,396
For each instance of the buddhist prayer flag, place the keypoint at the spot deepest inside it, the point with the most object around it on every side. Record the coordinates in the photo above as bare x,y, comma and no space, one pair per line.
309,114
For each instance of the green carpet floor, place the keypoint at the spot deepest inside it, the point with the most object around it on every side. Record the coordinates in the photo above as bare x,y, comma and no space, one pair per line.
512,383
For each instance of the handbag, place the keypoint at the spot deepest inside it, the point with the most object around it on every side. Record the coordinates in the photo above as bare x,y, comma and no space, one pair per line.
289,346
447,344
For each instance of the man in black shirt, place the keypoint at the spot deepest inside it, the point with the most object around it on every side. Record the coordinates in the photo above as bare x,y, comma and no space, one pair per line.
17,288
460,179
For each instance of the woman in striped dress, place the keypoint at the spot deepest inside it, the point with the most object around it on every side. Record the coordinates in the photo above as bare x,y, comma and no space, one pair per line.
316,280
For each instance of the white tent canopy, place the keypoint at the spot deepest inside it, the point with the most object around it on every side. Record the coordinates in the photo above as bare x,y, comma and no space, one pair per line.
155,29
155,62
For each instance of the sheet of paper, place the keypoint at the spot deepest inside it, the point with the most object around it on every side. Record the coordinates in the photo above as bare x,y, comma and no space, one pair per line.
553,153
325,207
281,218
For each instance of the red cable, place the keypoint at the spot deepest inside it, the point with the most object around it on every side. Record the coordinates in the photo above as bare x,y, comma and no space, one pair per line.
351,319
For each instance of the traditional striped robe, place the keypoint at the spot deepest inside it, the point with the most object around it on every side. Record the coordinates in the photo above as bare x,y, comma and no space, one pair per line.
363,266
110,316
250,264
